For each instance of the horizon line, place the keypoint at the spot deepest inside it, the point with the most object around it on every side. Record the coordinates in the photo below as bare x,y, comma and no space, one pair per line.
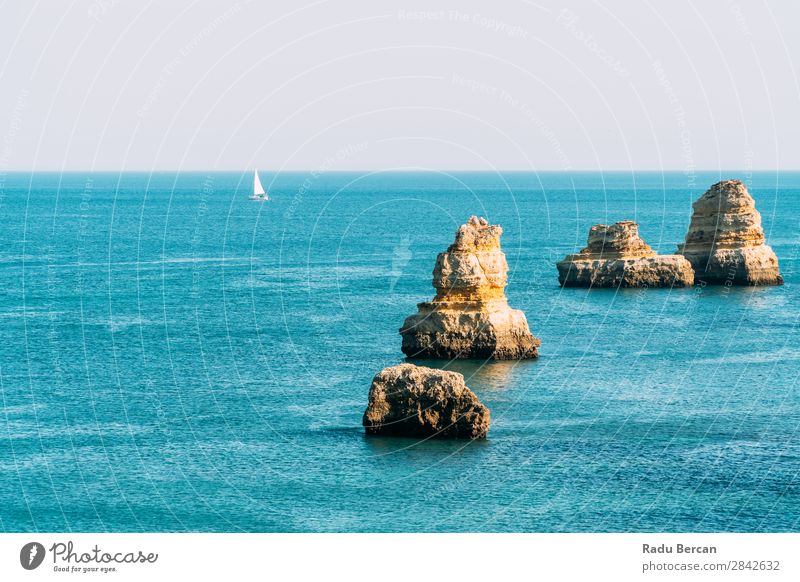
405,170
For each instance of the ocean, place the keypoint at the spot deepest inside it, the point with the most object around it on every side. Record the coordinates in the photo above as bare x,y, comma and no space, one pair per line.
175,357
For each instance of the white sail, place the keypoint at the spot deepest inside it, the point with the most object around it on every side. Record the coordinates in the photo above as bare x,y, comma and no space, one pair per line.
258,189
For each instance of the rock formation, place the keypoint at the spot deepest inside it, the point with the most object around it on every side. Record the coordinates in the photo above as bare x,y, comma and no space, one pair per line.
725,242
470,316
415,401
615,256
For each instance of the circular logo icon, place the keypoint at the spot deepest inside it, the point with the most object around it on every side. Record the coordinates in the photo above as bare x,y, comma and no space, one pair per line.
31,555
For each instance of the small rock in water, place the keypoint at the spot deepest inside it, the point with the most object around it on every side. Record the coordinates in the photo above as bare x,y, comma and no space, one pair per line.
416,401
615,256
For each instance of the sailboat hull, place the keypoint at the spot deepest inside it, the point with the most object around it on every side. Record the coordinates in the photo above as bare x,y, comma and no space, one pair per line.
259,194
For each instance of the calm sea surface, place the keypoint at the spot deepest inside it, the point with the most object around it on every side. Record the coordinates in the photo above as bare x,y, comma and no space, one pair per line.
175,357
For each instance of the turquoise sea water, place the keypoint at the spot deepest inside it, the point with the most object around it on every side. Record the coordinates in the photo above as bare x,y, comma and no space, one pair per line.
175,357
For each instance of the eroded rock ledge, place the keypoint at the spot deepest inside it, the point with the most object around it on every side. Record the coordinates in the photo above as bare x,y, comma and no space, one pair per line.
725,243
416,401
615,256
469,317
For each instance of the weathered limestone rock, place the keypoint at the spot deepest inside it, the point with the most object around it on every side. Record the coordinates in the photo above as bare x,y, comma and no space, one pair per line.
615,256
470,316
415,401
725,241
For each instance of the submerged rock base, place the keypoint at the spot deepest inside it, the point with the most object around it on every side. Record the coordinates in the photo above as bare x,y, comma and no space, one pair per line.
747,266
493,330
470,316
615,256
725,243
415,401
662,271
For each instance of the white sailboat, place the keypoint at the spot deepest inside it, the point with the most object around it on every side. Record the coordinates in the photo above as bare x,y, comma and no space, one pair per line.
258,189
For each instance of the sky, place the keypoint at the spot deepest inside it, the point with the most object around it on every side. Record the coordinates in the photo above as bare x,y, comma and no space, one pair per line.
449,85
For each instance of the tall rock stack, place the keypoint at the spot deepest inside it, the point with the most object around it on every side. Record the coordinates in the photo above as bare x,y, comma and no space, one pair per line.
615,256
725,242
470,316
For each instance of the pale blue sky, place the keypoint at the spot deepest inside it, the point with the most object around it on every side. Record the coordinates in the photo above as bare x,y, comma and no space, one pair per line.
214,85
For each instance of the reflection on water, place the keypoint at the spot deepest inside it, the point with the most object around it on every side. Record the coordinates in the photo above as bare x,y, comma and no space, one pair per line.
483,374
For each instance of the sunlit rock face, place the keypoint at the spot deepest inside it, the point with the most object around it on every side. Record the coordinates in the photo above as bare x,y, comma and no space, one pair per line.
416,401
469,317
615,256
725,242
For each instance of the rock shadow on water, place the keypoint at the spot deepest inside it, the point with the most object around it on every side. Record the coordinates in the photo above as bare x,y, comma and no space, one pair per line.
742,294
429,449
595,300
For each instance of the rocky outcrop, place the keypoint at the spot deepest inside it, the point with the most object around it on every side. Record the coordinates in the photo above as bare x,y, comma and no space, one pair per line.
615,256
415,401
725,242
470,316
